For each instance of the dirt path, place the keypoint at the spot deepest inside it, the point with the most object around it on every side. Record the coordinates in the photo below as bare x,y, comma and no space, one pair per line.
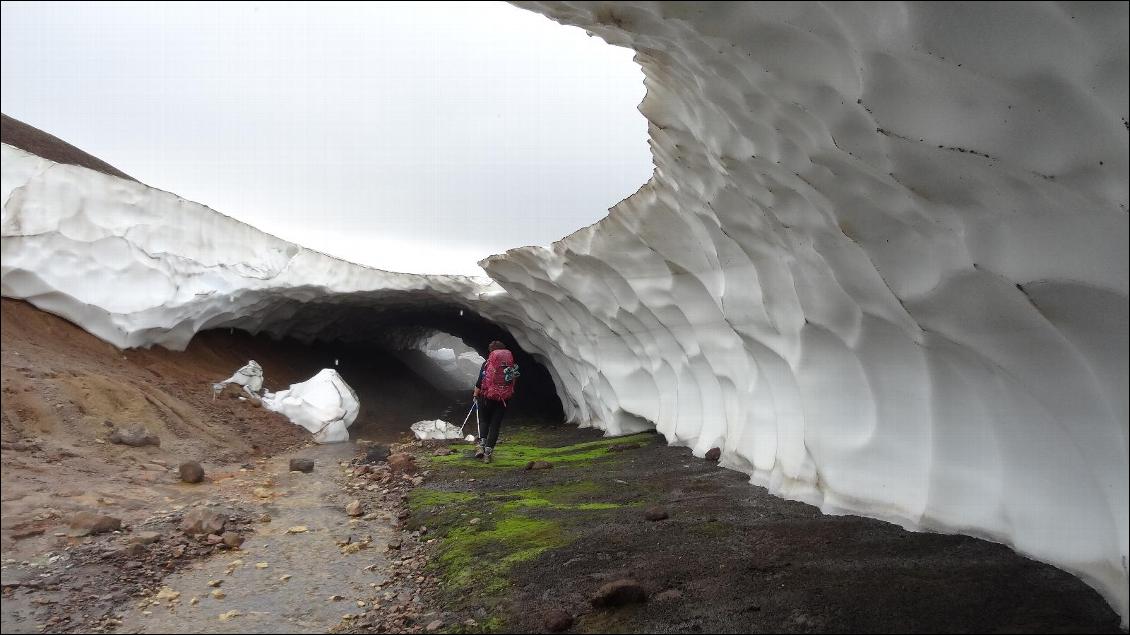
302,572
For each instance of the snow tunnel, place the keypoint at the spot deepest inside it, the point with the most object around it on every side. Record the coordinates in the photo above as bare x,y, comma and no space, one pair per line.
399,323
882,265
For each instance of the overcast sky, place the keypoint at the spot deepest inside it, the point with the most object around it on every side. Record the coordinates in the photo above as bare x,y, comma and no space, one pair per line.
412,137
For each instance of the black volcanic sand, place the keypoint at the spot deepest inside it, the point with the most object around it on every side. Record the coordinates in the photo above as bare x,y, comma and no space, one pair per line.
743,560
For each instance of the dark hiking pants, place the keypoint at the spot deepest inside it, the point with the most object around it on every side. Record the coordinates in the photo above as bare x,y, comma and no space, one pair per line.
490,420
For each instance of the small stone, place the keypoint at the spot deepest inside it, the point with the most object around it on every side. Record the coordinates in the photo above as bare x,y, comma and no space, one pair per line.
232,539
203,521
302,465
167,594
297,529
134,550
402,463
443,452
376,454
670,595
284,578
656,513
394,545
557,620
539,465
336,598
264,518
434,626
262,492
215,583
89,523
134,436
713,454
213,539
229,615
191,472
218,594
619,593
144,538
27,533
474,521
261,565
194,601
354,508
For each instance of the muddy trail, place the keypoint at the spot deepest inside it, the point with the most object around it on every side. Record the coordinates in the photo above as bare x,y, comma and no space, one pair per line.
528,550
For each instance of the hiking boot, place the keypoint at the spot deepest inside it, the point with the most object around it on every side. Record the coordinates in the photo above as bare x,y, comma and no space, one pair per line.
479,449
487,454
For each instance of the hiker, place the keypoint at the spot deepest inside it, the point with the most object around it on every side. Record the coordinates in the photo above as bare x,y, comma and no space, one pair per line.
497,378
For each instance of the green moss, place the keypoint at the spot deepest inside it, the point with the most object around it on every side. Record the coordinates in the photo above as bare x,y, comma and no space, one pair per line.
475,560
597,506
422,497
515,454
712,529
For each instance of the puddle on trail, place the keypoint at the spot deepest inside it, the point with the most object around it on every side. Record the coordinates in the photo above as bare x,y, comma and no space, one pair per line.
262,601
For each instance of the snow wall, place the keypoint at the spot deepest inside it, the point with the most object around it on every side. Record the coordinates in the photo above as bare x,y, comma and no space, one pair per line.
882,263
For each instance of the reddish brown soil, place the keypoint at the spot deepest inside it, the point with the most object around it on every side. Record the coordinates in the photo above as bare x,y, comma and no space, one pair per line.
17,133
65,391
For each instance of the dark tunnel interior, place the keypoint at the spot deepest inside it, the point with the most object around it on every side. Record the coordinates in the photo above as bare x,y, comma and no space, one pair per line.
366,339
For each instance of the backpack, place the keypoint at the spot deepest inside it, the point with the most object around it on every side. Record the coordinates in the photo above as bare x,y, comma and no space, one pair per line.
500,375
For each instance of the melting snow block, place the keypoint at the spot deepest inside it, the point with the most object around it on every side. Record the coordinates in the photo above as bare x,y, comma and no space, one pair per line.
438,429
324,404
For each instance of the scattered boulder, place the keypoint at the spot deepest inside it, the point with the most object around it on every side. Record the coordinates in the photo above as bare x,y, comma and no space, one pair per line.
232,539
713,454
670,595
134,436
354,508
656,513
20,446
89,523
376,454
144,538
621,447
203,521
401,462
20,534
191,472
557,620
302,465
132,551
539,465
619,593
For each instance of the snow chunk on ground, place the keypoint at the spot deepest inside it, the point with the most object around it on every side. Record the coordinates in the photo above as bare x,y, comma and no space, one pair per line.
324,404
438,429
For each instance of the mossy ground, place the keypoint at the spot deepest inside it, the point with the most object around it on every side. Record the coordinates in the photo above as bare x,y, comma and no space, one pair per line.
522,447
508,515
742,560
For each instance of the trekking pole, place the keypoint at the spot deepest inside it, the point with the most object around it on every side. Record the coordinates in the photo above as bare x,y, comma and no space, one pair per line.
474,409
